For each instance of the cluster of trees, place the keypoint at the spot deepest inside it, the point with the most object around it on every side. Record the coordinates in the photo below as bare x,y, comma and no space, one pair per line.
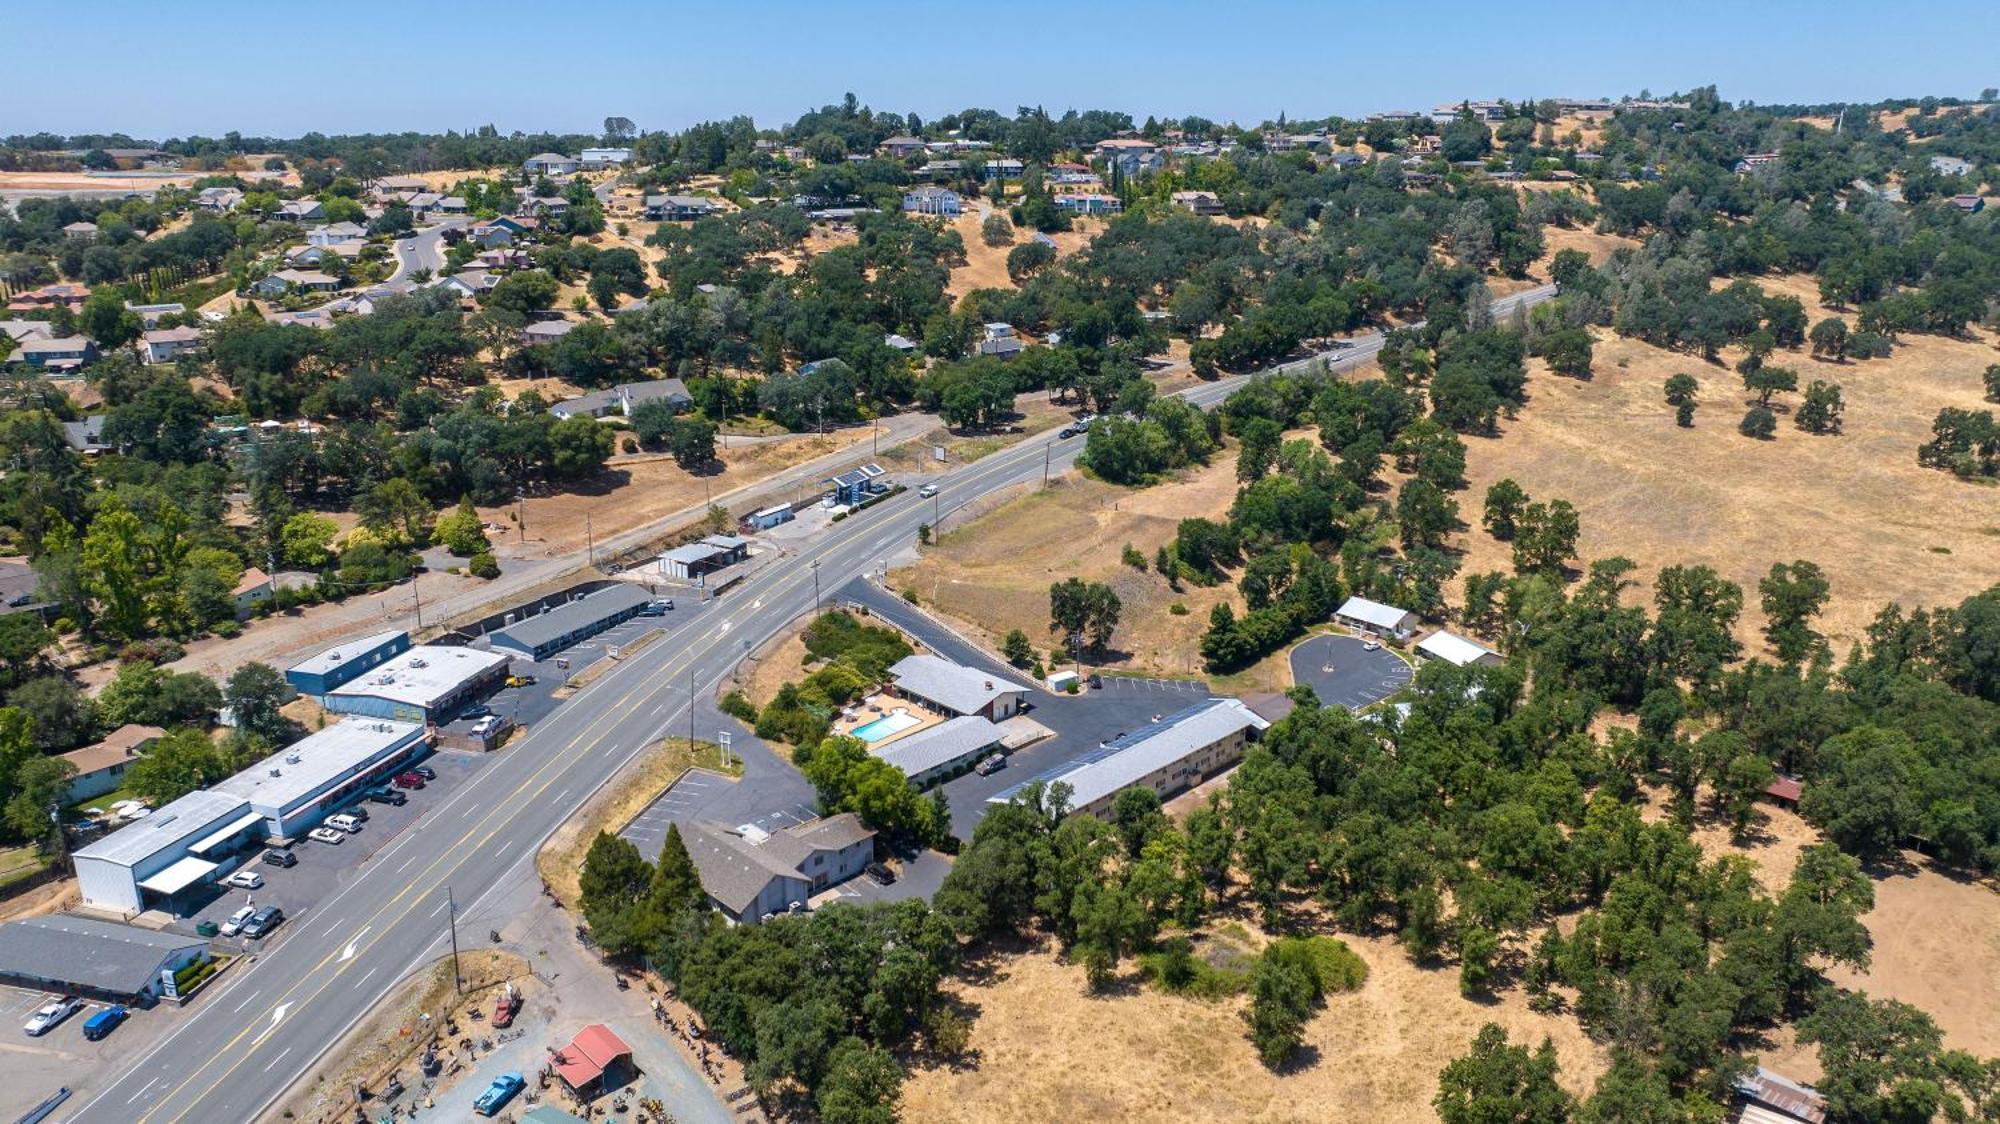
1132,450
1963,442
852,658
814,1005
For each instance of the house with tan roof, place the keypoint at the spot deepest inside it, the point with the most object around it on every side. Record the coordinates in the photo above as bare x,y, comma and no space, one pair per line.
100,768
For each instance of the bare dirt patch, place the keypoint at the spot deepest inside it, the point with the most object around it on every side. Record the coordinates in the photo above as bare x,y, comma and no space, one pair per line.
994,572
1048,1051
1858,504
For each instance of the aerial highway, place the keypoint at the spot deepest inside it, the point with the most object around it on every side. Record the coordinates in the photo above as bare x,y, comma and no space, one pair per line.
237,1053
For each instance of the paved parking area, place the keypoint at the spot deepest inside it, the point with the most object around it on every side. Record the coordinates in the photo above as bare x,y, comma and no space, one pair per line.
37,1067
323,868
1343,672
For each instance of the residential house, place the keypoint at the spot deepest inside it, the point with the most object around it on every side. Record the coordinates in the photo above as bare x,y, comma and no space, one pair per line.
592,159
319,318
941,170
546,332
1755,160
901,146
422,203
302,210
86,436
335,232
469,283
544,206
312,256
67,294
218,199
1002,169
162,345
150,314
1766,1096
1130,155
900,343
502,260
1090,203
940,201
452,205
286,280
18,331
253,589
1200,202
679,208
57,356
81,232
551,164
491,234
100,768
751,874
621,400
1970,204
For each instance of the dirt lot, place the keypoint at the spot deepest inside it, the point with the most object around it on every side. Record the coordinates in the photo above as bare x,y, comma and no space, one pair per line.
986,266
1046,1051
653,487
1883,528
994,572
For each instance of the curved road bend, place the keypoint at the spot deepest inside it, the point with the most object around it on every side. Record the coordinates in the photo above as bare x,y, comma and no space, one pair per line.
231,1061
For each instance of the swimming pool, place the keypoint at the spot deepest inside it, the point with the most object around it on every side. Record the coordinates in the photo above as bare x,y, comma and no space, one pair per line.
884,726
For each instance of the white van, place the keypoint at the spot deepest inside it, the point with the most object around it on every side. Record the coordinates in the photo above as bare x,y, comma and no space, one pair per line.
344,822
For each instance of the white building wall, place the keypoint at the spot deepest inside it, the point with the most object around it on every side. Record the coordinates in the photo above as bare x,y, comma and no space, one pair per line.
108,885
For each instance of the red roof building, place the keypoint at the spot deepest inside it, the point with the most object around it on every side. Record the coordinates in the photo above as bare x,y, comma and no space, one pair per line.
1785,790
589,1057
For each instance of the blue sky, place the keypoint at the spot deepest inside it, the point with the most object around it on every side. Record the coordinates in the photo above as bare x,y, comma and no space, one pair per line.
365,65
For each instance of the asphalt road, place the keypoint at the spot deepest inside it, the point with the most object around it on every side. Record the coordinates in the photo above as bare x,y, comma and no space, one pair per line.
426,252
241,1048
1342,671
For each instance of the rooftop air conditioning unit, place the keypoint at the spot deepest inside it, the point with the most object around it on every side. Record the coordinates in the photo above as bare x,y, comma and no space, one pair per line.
277,772
291,758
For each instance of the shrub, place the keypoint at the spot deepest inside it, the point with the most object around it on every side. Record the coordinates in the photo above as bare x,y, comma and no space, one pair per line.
484,565
735,705
1133,558
1759,423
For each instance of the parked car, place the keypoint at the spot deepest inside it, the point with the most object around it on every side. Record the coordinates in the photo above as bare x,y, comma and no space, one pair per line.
425,771
237,920
104,1022
881,874
990,766
326,835
485,726
927,491
521,680
1067,431
261,924
657,608
245,880
408,780
344,823
1371,645
50,1014
476,710
281,859
382,794
496,1096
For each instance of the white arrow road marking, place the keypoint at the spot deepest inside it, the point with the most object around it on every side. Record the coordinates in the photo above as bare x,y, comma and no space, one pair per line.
347,953
277,1017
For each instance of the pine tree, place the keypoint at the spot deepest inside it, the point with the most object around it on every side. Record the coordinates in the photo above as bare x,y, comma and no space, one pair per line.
676,884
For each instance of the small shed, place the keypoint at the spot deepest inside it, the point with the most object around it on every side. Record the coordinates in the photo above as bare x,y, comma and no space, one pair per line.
769,517
595,1061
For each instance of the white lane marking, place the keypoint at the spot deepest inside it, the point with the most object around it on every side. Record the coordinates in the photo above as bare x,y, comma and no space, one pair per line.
414,856
279,1058
561,795
247,999
441,907
142,1090
365,975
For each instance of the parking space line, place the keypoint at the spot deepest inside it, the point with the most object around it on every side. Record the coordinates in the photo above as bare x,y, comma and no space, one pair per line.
248,999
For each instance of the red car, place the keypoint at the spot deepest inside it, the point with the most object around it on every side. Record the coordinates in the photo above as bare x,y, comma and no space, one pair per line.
408,780
505,1007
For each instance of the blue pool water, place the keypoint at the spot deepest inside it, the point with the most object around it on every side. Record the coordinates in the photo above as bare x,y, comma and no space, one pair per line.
884,726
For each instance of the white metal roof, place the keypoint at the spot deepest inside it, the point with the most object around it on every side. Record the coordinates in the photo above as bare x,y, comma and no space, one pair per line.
423,675
1156,747
963,689
182,874
193,815
1453,648
309,764
226,832
1372,612
941,744
334,657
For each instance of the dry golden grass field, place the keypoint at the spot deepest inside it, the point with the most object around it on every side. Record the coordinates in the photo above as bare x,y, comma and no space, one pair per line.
1883,528
1048,1050
994,572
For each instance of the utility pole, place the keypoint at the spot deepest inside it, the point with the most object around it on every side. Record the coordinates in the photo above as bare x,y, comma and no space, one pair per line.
451,908
589,542
1045,462
521,514
875,426
690,708
417,591
815,566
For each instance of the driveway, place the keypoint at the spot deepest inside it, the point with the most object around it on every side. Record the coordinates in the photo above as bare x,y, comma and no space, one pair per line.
1343,672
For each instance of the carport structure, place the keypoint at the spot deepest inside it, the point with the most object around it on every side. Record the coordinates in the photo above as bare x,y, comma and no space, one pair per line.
595,1061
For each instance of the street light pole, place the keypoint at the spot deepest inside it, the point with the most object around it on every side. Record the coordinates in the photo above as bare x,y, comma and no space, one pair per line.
457,977
815,566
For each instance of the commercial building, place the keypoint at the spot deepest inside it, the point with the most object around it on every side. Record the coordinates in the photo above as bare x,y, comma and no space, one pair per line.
1167,757
342,662
595,1060
857,485
686,563
955,689
428,683
151,863
943,751
559,626
769,517
97,959
295,788
100,768
1363,615
751,874
1456,650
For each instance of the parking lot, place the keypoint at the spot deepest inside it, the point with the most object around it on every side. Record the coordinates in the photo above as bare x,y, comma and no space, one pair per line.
1343,671
323,868
63,1057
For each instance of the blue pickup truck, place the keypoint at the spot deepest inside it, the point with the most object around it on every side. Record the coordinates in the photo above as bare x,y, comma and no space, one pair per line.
496,1096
